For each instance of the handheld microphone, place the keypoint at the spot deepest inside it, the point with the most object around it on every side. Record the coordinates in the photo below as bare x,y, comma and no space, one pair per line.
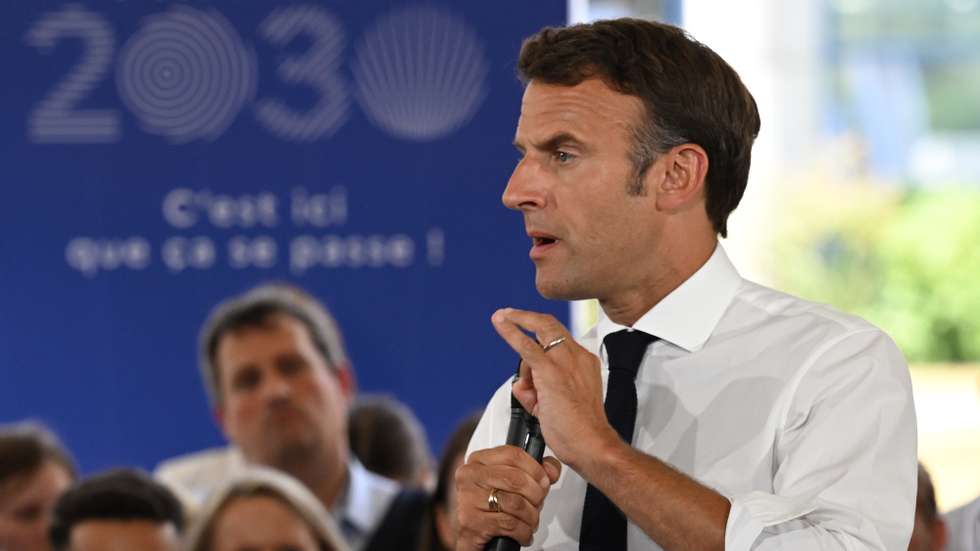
524,432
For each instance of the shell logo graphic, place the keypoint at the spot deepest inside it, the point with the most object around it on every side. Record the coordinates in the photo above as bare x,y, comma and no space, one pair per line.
186,74
420,73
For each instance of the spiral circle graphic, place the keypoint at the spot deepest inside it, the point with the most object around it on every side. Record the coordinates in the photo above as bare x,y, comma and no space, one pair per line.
186,74
420,72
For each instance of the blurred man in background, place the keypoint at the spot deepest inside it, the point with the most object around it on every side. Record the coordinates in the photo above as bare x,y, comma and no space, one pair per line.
35,469
963,527
929,530
389,440
440,528
119,510
277,374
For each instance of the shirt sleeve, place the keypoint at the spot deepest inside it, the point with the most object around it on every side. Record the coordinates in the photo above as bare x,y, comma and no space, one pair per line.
844,458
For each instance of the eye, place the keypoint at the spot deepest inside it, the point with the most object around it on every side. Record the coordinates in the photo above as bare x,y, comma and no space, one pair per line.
245,380
290,365
563,156
29,513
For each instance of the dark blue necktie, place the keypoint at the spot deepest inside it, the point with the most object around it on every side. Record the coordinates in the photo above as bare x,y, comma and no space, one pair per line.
603,524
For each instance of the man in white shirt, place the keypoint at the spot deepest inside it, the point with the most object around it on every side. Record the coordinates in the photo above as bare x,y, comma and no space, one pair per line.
963,527
735,417
277,374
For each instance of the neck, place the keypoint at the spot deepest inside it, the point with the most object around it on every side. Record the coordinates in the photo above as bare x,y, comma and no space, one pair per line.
326,483
677,265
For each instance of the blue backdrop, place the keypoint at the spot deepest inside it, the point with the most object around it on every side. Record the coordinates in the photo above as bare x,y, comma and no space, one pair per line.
158,157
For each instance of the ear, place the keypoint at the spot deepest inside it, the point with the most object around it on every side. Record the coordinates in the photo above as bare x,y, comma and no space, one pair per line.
348,382
219,417
682,184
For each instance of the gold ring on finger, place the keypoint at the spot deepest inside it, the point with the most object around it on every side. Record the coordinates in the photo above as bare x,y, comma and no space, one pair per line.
492,502
553,344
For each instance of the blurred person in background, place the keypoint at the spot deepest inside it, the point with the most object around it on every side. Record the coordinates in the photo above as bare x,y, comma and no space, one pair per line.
118,510
389,440
277,374
963,527
35,469
929,530
439,528
263,509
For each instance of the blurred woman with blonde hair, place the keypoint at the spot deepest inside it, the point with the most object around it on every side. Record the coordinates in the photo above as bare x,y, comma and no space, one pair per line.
267,510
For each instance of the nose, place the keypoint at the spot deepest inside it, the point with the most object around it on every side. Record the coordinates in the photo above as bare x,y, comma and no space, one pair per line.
524,190
276,388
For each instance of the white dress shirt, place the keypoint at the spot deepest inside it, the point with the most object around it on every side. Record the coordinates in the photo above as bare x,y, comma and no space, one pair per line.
363,505
194,476
963,527
358,511
798,414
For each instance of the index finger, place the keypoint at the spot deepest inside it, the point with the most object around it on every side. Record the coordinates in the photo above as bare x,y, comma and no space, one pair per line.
544,326
509,323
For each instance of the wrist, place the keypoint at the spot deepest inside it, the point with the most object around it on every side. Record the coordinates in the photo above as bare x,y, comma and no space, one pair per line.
600,453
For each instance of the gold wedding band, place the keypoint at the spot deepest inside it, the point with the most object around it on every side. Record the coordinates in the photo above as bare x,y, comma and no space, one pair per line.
553,344
492,502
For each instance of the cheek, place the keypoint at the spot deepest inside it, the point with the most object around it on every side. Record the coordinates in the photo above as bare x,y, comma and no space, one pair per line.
451,509
325,392
39,530
239,413
8,530
19,535
592,220
451,489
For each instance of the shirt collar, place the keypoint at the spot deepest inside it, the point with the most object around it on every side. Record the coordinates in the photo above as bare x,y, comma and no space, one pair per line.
688,315
362,503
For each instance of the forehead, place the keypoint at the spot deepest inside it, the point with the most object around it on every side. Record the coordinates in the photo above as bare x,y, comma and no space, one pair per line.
261,504
590,110
49,478
275,334
260,517
277,326
123,535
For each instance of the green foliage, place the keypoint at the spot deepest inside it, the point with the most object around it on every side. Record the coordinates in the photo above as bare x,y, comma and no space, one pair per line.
953,89
908,263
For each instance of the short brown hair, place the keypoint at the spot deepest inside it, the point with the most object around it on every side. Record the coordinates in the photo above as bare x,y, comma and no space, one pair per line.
117,495
256,308
26,446
690,95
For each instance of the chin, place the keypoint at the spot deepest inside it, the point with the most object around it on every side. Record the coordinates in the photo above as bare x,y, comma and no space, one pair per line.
292,454
560,290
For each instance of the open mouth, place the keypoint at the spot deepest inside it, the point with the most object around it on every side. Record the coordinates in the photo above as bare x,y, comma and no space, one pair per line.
541,244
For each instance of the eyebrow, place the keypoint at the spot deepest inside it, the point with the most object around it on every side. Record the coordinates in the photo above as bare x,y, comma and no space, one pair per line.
552,143
242,368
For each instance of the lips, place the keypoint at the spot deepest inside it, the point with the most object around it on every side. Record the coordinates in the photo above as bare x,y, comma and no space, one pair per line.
542,243
282,413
